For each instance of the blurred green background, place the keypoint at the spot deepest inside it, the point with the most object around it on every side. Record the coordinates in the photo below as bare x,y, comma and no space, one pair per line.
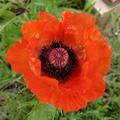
16,101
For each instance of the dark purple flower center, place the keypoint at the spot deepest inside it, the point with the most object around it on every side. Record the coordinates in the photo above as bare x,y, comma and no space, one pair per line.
58,60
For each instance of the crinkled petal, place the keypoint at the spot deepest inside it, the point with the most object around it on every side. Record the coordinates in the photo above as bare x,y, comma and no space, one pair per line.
72,28
96,89
98,51
17,56
43,30
48,91
70,100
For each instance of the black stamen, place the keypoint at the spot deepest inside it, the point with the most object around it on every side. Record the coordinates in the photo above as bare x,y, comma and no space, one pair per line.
53,66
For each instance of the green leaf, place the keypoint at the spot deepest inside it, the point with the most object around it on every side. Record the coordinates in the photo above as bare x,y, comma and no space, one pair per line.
6,16
42,112
3,7
89,5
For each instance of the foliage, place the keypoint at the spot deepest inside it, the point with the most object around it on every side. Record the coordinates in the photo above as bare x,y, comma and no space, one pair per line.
16,101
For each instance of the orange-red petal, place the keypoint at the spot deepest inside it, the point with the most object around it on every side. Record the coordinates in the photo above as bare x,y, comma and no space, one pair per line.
17,56
43,30
48,91
98,51
73,26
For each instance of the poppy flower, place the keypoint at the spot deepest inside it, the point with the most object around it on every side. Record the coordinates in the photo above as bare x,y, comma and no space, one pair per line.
63,61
